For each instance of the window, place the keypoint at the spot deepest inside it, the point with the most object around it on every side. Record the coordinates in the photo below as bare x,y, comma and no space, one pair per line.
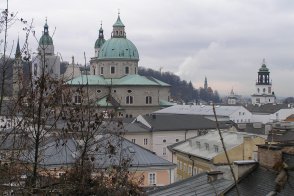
94,71
99,91
263,90
129,100
164,151
112,70
135,70
177,140
129,91
78,99
178,165
152,179
181,165
190,170
215,148
134,140
185,167
206,146
145,141
127,70
195,171
148,100
101,70
164,140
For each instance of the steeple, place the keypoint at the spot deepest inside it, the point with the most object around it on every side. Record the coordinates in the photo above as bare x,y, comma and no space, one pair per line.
17,52
46,27
205,83
118,28
46,39
263,74
100,41
101,36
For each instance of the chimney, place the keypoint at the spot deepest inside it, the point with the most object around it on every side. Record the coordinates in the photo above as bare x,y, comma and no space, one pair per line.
243,166
212,176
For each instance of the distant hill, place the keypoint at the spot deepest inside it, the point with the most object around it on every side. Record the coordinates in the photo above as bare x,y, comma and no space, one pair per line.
181,90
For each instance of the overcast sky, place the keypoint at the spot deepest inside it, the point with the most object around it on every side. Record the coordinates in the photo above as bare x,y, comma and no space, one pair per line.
224,40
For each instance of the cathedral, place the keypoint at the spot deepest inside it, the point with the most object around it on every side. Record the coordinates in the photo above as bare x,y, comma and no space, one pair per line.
114,82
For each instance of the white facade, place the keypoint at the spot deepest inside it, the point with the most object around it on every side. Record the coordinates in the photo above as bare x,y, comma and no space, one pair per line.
280,115
237,114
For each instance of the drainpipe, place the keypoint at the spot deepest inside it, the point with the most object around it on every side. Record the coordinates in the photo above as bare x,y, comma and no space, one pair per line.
169,175
186,131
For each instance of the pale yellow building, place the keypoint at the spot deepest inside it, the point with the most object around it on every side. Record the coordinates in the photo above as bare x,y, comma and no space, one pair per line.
205,153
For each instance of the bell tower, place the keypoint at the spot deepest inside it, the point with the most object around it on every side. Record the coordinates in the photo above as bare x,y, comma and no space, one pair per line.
263,86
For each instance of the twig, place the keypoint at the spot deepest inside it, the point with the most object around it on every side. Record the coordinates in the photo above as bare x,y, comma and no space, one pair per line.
224,147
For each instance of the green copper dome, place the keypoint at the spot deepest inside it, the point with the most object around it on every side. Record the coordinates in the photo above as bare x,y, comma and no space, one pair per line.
46,39
263,68
100,41
119,48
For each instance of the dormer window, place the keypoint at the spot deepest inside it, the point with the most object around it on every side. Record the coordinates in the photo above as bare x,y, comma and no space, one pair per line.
215,148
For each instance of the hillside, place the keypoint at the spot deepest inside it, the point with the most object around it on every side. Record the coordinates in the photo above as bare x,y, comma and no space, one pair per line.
181,90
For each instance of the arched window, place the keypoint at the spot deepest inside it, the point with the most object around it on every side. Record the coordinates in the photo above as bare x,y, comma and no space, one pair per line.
129,100
127,70
148,100
112,70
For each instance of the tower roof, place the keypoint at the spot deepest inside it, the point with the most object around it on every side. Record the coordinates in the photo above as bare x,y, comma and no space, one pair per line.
46,39
17,52
118,22
100,41
263,67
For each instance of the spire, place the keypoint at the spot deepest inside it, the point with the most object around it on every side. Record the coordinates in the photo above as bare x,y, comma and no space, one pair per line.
17,52
205,83
46,27
118,22
118,28
101,35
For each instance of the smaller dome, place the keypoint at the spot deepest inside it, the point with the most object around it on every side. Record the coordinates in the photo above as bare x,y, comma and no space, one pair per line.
99,42
46,40
263,68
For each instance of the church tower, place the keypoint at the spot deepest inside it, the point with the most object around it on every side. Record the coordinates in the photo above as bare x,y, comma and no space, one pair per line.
263,85
205,83
46,61
99,42
17,72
